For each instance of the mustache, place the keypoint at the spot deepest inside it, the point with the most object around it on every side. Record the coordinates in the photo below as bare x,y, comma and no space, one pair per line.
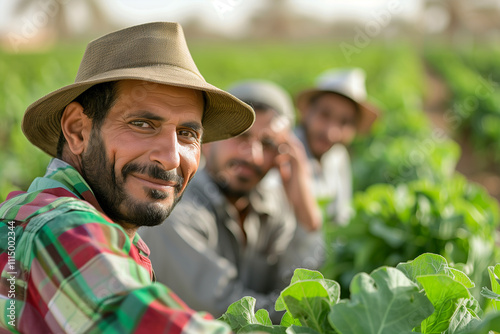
239,162
153,172
322,137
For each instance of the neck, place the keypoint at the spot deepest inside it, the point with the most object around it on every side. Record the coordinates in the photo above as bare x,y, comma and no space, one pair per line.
240,203
130,229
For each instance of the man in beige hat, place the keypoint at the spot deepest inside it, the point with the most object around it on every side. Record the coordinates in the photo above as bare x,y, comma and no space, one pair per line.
126,137
333,112
230,235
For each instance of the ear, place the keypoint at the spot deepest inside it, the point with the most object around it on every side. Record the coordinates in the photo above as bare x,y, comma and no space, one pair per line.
76,127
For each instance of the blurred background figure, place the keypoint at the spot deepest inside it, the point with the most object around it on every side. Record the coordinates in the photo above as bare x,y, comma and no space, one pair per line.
333,112
229,236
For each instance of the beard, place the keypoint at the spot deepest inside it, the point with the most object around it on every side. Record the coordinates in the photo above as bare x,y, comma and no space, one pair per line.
241,186
110,192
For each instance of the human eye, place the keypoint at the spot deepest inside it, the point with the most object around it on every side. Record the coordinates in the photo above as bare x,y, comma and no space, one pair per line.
141,124
188,134
268,144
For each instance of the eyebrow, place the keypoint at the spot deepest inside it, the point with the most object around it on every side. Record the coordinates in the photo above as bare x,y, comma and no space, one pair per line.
146,114
197,126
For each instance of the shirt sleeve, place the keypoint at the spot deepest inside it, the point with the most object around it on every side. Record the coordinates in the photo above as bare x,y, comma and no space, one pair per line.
184,256
337,170
82,279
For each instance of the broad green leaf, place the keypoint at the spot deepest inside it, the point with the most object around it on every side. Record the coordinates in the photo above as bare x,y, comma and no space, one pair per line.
262,317
241,313
300,330
446,295
491,322
287,320
494,273
461,277
384,302
258,328
430,264
302,275
425,264
393,236
331,287
485,292
462,321
308,301
298,275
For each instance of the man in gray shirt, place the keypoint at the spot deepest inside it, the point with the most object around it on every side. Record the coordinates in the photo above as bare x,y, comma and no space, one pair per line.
228,237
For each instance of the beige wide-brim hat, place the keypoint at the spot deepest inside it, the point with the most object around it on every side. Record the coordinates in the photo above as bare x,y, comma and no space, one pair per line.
348,82
154,52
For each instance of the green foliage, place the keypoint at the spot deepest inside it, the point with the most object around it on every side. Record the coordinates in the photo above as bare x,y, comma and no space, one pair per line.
425,295
385,301
475,108
25,78
455,219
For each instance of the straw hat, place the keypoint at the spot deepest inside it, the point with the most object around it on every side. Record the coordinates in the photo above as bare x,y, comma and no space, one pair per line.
348,82
154,52
266,92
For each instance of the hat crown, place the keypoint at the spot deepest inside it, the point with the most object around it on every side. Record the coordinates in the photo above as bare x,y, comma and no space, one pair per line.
154,52
349,82
266,92
146,45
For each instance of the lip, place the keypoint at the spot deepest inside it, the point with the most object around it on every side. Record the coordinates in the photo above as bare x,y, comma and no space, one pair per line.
155,183
324,142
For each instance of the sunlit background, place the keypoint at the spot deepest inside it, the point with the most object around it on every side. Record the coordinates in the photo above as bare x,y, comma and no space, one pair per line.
426,178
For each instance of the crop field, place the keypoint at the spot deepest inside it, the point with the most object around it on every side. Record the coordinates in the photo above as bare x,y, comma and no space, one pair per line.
409,198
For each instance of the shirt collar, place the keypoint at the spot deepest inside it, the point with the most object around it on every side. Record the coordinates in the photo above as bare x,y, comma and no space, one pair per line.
60,174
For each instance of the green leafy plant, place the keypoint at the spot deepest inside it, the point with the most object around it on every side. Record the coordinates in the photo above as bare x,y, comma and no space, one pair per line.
475,106
425,295
392,224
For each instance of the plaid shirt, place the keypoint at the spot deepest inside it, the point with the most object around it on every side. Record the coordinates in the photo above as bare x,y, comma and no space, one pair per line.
67,268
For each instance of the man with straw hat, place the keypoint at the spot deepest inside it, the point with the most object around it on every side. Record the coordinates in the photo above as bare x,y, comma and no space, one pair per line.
333,112
229,236
125,138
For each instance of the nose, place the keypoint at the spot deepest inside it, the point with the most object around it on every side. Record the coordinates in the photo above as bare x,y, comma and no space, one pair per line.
334,132
165,150
252,151
257,152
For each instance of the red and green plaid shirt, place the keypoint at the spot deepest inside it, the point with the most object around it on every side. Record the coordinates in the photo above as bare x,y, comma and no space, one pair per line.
67,268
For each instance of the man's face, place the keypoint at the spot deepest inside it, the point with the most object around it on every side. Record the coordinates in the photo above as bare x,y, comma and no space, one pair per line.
239,163
331,119
147,150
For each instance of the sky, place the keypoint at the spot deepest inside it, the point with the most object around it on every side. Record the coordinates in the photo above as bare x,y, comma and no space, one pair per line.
228,17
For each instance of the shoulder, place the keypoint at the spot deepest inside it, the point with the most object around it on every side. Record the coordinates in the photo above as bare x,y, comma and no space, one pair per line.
72,219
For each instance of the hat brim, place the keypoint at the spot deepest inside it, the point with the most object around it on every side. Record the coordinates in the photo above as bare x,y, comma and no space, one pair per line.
368,112
224,116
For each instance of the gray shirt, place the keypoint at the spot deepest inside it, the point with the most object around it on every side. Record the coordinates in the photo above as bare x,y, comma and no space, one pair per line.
332,181
200,251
